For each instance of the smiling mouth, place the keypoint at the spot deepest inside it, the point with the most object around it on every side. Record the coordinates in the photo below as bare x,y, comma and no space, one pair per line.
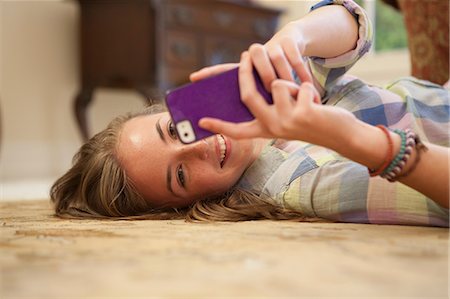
222,148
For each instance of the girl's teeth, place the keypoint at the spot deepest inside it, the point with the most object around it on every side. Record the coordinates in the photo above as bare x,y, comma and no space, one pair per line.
222,147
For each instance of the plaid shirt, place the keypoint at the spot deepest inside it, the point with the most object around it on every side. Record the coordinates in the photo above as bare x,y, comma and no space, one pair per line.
318,182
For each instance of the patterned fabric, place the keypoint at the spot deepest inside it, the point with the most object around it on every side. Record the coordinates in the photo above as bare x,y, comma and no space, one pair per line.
320,183
427,24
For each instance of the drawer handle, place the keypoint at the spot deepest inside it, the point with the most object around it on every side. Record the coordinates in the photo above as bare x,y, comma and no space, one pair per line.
223,19
183,15
181,49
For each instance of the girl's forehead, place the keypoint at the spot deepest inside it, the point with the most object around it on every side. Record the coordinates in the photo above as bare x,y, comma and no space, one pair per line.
144,155
138,133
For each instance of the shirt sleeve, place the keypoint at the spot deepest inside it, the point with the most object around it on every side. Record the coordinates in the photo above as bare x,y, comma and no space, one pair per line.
327,70
342,190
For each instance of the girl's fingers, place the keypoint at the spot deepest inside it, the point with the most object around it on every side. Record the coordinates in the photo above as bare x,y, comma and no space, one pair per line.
292,87
306,95
280,62
211,71
316,94
295,59
283,94
250,96
262,64
242,130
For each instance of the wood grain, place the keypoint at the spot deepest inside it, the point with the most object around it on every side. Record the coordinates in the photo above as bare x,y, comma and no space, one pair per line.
46,257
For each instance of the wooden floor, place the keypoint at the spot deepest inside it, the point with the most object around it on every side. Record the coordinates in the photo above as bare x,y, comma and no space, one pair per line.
46,257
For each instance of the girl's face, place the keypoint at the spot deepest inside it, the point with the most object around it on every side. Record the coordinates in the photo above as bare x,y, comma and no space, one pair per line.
170,174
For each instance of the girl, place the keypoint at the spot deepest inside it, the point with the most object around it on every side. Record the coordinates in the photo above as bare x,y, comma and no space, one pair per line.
137,168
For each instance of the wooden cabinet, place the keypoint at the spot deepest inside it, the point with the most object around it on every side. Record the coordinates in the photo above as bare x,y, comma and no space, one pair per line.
153,45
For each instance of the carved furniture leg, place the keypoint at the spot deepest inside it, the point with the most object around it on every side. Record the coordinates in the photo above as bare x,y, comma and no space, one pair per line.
81,103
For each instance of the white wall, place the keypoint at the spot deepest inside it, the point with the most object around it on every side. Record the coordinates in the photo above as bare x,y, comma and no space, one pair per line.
39,78
38,40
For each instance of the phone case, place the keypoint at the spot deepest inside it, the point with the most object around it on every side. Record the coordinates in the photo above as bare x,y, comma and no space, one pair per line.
216,96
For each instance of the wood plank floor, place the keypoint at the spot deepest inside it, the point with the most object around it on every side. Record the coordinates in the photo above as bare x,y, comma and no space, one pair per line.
46,257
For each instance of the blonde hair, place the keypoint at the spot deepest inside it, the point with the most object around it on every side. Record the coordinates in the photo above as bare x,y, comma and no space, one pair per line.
97,187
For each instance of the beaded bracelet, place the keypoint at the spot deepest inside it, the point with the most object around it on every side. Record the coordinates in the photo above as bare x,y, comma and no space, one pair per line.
396,167
399,155
420,147
389,154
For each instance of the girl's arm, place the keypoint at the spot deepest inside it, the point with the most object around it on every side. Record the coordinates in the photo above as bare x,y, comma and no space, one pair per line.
326,32
298,115
367,145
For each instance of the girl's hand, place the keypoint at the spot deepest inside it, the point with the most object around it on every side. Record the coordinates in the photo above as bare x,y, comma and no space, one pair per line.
273,60
295,114
277,58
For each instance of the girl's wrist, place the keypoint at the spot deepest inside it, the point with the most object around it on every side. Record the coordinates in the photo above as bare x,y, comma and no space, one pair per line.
293,31
368,145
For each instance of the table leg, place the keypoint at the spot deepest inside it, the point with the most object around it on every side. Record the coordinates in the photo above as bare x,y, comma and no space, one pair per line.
82,101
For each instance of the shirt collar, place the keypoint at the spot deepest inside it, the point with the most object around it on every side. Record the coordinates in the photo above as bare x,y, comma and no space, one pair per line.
256,176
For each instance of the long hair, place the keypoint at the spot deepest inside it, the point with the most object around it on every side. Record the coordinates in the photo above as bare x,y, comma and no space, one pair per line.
96,186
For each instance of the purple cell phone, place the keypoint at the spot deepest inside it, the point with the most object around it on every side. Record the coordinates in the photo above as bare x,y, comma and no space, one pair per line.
217,96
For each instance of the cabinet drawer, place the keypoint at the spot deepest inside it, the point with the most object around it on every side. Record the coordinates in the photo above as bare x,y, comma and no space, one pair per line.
175,77
222,50
261,27
186,14
181,49
242,21
222,17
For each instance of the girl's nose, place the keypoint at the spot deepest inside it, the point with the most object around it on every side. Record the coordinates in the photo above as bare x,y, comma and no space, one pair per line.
199,149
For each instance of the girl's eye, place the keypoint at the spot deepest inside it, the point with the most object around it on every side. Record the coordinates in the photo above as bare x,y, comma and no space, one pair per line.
180,175
171,130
